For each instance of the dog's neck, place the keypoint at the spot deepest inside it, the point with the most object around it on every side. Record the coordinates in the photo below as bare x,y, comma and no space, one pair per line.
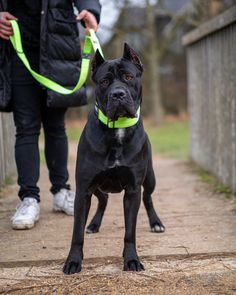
121,123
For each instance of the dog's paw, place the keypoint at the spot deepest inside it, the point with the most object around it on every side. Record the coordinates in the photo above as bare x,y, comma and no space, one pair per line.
133,265
71,266
157,227
92,228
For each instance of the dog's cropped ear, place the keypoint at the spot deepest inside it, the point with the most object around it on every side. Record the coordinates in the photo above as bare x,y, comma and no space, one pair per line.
132,56
97,61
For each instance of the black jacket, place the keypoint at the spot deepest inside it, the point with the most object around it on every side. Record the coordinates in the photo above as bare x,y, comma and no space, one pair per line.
59,51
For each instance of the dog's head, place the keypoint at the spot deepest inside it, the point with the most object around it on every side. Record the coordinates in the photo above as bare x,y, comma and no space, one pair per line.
118,85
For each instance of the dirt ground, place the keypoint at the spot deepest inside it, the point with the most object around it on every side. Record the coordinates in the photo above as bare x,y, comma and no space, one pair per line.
196,254
201,274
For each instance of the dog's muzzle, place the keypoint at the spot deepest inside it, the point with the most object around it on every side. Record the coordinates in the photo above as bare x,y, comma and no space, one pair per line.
120,104
118,94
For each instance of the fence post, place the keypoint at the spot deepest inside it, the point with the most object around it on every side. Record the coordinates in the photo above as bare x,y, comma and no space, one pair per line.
7,139
211,62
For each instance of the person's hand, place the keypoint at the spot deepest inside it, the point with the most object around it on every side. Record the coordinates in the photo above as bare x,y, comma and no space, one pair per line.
5,25
89,20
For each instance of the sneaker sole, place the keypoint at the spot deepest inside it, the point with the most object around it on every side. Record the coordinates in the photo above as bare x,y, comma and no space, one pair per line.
58,210
21,226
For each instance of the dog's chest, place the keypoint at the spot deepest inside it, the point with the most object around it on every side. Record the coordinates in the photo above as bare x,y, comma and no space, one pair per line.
115,154
120,134
114,180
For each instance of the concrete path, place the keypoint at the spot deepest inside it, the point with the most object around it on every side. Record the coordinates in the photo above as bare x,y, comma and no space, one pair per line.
196,254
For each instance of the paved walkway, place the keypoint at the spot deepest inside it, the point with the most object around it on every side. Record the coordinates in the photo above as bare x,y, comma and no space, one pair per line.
196,254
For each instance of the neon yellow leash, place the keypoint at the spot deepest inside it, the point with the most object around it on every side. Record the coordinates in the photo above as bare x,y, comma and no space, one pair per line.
90,42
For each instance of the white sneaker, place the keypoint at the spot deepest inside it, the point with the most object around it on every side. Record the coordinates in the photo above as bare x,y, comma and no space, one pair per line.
63,201
27,213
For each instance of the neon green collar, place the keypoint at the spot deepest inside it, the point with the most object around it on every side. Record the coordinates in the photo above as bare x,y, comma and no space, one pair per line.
122,122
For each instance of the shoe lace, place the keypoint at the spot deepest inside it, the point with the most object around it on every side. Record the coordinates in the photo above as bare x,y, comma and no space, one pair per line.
22,208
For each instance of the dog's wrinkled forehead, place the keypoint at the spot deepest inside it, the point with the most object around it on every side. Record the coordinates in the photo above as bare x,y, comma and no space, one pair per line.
114,68
130,62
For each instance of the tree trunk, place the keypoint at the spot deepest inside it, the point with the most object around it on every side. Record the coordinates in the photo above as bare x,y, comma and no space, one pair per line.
216,6
153,67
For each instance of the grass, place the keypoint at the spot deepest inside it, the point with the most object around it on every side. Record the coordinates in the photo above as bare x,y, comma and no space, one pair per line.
9,180
42,156
73,131
169,139
214,184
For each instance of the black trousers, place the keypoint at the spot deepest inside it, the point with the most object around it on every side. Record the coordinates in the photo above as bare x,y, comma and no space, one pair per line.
30,112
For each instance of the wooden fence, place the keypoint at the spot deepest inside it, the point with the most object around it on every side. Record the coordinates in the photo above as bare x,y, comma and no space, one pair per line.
211,62
7,138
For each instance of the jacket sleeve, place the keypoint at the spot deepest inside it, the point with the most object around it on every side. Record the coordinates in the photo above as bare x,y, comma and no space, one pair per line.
91,5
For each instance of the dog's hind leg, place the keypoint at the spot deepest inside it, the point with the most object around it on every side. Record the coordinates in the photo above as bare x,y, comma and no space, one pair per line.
95,223
149,186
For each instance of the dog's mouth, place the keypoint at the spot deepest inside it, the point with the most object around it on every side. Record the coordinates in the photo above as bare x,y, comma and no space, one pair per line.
120,104
118,110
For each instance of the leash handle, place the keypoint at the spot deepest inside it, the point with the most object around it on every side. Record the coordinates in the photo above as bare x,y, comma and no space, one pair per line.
95,42
91,41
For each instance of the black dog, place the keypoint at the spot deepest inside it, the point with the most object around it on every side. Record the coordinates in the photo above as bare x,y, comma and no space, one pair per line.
111,158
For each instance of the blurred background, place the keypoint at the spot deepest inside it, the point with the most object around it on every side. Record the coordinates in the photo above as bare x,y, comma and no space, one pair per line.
154,28
189,112
189,103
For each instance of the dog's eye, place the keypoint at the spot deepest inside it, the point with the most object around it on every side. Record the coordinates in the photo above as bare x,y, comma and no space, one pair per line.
128,77
104,82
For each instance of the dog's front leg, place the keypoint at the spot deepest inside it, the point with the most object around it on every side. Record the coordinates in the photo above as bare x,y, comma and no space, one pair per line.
75,257
131,207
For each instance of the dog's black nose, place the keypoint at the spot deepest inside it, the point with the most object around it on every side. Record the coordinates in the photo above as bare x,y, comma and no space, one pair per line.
118,94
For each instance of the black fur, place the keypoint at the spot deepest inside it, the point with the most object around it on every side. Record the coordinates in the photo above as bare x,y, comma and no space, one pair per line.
107,163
